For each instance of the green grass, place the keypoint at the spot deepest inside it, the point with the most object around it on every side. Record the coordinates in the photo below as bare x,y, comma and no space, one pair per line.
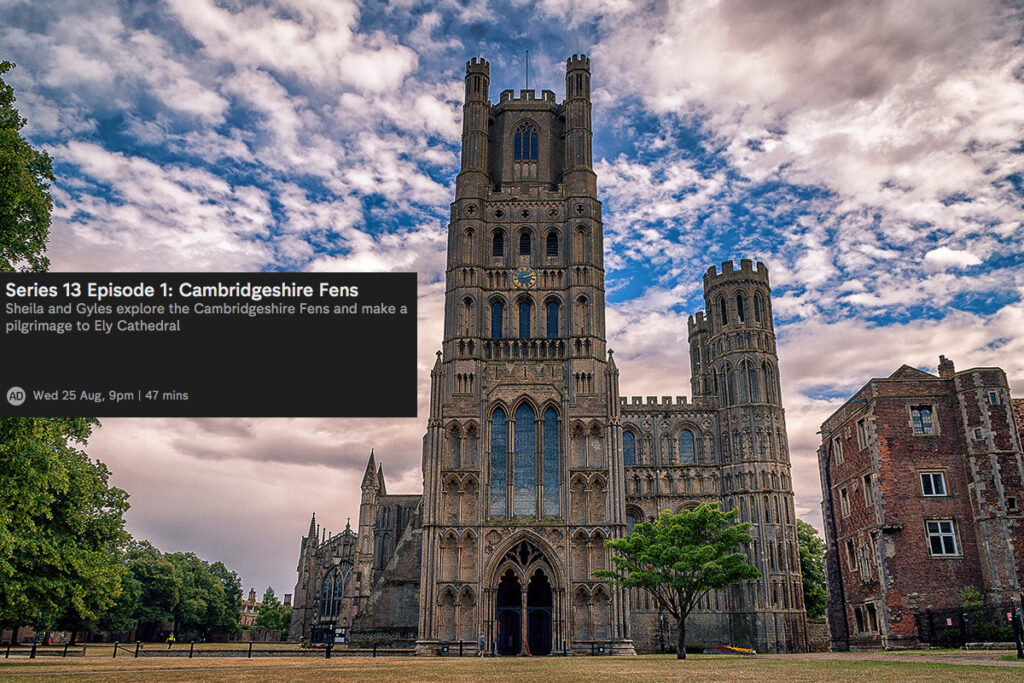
473,670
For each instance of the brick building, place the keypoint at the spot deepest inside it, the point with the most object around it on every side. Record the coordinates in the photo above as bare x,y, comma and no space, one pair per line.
921,497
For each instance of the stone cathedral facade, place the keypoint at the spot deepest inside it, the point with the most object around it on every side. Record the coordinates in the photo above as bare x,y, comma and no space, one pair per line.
532,458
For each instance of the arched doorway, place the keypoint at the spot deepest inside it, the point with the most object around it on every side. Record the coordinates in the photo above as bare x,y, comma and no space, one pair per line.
525,602
508,614
538,614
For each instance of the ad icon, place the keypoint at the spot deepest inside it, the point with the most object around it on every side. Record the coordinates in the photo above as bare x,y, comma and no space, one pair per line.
15,396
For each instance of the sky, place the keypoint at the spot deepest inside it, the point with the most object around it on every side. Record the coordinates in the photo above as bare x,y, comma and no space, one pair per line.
870,153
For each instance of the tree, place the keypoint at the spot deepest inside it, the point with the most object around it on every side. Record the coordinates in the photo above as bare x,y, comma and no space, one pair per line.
210,596
679,558
61,525
272,613
25,202
228,612
812,569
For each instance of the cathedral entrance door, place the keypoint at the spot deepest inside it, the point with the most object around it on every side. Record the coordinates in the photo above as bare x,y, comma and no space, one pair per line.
538,614
509,615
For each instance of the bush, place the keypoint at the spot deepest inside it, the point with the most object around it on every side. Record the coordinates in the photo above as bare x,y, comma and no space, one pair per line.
951,637
988,632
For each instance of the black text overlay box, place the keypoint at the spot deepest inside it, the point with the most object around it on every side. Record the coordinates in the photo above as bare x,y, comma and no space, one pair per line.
208,344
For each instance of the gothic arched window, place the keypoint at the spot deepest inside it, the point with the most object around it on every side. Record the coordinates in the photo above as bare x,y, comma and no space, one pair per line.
722,310
628,448
739,307
552,244
497,319
525,309
524,462
583,315
753,383
536,450
757,308
332,590
552,319
524,244
499,451
686,450
551,463
498,244
467,316
524,145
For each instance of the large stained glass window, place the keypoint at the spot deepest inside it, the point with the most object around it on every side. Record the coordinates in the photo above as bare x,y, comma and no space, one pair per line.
333,590
551,457
686,452
524,463
628,448
498,454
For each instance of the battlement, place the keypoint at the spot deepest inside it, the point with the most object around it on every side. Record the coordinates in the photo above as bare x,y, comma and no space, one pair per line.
580,61
697,323
652,401
477,65
526,96
747,271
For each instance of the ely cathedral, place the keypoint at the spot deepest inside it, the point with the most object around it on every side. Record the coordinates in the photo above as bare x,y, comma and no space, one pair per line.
532,459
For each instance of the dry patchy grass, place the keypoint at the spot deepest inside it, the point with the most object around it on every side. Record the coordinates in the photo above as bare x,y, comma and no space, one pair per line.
473,670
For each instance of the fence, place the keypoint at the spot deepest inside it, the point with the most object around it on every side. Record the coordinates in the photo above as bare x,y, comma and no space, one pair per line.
954,628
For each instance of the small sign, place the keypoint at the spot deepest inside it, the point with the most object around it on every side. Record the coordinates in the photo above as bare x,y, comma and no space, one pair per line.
949,621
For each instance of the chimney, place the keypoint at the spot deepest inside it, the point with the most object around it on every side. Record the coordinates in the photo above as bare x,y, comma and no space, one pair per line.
945,367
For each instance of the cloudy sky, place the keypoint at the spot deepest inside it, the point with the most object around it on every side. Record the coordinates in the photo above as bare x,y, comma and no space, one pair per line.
869,152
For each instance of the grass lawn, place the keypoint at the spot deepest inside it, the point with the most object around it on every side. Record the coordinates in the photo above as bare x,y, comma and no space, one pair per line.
473,670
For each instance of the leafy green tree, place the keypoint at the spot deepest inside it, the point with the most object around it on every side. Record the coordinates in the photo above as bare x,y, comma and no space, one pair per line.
210,595
61,525
160,584
228,612
25,202
812,569
272,612
679,558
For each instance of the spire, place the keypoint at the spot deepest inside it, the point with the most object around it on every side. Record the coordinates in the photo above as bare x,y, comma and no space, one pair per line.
312,527
368,476
611,360
380,481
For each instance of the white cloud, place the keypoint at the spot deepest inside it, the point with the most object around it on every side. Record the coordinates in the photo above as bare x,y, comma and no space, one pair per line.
944,257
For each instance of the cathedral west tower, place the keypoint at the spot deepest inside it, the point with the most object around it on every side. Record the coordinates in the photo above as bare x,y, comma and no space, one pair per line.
531,459
523,397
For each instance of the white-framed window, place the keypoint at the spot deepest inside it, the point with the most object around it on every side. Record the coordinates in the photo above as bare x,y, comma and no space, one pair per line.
933,483
844,502
922,417
977,435
869,494
862,433
993,398
837,449
941,537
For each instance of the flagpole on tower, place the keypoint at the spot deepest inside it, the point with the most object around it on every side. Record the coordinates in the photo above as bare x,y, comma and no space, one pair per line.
527,69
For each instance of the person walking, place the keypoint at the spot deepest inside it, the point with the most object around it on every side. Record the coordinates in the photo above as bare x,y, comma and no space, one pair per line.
170,640
482,644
